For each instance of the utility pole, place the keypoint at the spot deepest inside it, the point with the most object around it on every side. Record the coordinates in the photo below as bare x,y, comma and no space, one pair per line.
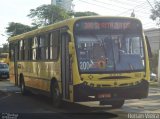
150,5
159,67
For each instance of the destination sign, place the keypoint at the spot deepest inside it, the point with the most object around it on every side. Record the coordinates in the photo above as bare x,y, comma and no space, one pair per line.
117,25
106,25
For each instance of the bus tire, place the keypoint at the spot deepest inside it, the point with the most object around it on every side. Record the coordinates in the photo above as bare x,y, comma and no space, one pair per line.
115,104
22,85
55,95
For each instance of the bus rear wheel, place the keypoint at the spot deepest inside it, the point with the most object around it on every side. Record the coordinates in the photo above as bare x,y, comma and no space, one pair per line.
115,103
55,95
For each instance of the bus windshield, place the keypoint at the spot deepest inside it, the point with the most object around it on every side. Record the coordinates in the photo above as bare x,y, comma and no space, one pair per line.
109,46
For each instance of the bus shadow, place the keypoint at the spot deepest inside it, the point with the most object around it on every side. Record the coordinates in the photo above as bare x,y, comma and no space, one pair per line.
75,110
78,111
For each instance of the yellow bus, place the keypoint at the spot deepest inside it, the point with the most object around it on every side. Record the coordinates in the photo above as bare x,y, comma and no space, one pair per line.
83,59
4,57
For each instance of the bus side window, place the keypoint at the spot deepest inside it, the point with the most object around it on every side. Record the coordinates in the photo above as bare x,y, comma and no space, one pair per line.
41,50
54,44
43,47
26,49
30,48
34,48
21,50
46,48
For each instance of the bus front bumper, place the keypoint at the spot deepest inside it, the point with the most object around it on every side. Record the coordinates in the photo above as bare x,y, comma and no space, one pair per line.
83,92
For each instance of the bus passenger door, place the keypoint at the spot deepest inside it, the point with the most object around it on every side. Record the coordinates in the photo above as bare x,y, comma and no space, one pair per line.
15,63
65,63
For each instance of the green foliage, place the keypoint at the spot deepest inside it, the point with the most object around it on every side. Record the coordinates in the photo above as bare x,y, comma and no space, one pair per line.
79,14
156,13
42,16
17,28
5,48
47,14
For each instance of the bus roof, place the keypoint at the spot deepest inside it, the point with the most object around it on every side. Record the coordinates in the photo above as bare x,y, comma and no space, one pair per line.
67,22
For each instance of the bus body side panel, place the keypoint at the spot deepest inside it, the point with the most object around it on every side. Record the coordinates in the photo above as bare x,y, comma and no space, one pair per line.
38,75
11,72
13,67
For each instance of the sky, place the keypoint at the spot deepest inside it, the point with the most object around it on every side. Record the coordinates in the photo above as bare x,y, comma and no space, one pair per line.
17,11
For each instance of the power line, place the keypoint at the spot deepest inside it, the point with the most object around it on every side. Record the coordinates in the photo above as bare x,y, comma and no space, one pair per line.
138,6
144,6
133,1
132,8
141,8
123,7
110,4
98,5
120,2
150,5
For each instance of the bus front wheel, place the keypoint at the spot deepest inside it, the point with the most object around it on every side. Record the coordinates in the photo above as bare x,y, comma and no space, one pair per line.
115,104
55,95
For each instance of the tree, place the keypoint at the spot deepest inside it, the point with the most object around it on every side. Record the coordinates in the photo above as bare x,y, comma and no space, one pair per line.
5,48
156,13
17,28
47,14
42,16
79,14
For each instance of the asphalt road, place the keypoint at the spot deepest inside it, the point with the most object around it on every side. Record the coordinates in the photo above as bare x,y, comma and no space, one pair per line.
39,107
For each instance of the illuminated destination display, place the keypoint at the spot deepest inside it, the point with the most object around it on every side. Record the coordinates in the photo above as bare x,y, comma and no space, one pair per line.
117,25
106,25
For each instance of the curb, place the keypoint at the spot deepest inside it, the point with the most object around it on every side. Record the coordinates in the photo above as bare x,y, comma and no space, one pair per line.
8,87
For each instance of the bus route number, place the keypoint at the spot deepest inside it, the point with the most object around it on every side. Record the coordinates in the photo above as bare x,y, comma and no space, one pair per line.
84,65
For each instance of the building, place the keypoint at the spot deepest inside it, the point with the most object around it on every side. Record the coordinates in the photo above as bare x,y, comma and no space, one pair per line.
154,39
66,4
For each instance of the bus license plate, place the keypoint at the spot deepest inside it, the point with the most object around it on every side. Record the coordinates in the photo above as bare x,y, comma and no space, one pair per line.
106,95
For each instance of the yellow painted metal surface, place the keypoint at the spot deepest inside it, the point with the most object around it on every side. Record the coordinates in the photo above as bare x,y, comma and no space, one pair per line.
39,73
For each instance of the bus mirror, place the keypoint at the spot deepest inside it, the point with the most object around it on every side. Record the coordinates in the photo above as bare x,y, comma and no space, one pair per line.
148,47
71,48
